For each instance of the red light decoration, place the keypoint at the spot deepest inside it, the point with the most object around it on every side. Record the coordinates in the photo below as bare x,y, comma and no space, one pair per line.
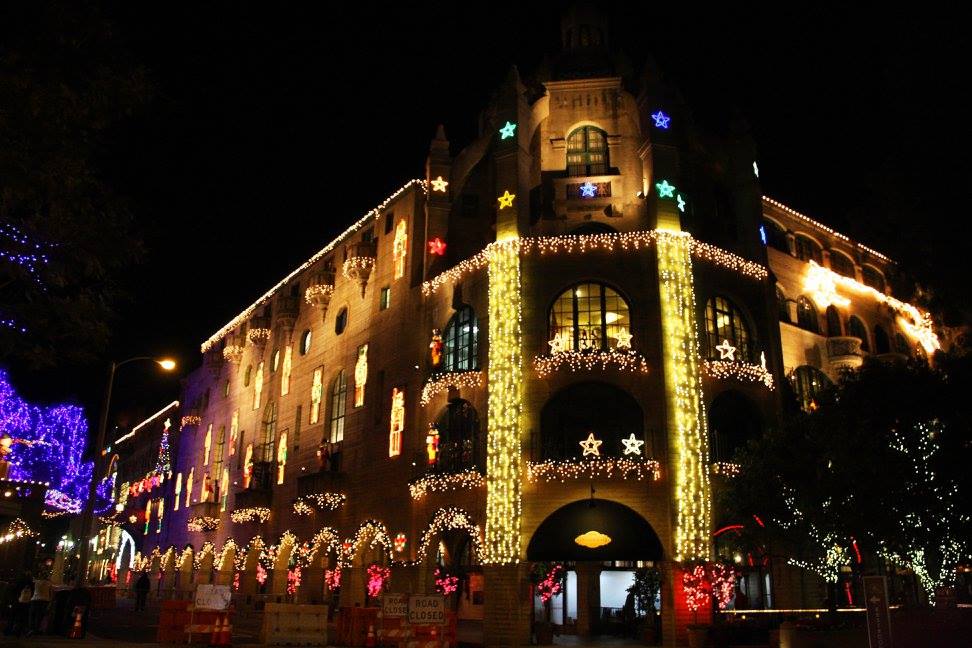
758,521
731,527
400,541
378,577
445,583
850,595
857,551
696,587
551,584
723,580
332,577
437,246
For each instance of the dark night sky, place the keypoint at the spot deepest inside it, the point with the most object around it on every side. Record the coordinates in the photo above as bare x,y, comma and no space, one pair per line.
275,127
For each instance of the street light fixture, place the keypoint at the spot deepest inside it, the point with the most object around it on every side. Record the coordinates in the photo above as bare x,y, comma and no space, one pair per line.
87,517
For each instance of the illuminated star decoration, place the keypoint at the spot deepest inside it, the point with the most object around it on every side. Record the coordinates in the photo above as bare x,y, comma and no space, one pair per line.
591,445
556,345
439,184
506,200
681,203
726,351
661,119
623,338
665,190
507,131
437,246
756,169
632,445
588,190
762,359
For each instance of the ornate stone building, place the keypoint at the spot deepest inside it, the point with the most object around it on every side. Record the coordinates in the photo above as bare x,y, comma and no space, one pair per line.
547,349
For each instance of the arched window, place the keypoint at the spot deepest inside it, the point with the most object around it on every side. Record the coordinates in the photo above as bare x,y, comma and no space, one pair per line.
833,322
808,383
461,341
733,421
807,315
842,264
873,278
782,306
589,316
901,344
266,449
775,236
339,401
458,427
807,249
341,321
575,412
587,152
724,321
856,328
218,456
881,342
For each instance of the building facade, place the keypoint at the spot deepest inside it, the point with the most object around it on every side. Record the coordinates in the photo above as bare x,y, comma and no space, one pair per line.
545,350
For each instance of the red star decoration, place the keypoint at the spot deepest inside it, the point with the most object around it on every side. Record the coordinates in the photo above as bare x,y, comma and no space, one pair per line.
437,246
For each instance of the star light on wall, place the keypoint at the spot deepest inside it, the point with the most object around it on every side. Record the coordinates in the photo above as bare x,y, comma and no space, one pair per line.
591,446
557,344
681,203
507,131
661,119
726,351
439,184
632,445
665,190
755,169
506,200
623,338
437,246
588,190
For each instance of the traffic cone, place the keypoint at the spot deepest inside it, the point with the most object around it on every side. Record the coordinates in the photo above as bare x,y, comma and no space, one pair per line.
77,632
370,639
227,635
214,634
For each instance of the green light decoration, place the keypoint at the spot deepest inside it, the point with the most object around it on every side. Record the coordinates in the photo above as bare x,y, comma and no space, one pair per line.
665,190
507,131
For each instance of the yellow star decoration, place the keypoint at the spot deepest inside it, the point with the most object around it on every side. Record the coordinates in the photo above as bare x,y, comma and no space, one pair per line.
591,446
726,351
439,184
506,200
623,338
632,445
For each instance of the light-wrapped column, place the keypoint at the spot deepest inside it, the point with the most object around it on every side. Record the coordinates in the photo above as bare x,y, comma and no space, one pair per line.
687,434
505,394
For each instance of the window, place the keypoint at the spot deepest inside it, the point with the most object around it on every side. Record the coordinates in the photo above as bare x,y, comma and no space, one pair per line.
258,387
305,342
247,465
587,152
274,360
192,472
809,383
775,236
339,400
841,264
461,337
298,419
341,321
807,315
207,444
265,451
458,438
807,249
218,456
782,306
589,316
317,393
856,328
724,321
178,492
385,299
226,386
234,432
881,342
389,222
872,278
833,322
901,344
247,375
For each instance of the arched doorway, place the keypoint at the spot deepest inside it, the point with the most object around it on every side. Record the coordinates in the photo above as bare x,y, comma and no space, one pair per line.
601,545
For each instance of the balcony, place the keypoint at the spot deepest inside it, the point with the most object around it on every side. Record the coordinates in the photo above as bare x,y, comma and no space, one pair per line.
259,493
286,310
458,465
325,481
845,352
205,509
360,261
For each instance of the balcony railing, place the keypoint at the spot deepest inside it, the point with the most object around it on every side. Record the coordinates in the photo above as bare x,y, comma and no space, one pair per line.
325,481
845,352
286,311
452,457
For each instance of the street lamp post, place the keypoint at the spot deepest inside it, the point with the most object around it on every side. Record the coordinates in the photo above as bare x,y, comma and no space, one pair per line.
87,516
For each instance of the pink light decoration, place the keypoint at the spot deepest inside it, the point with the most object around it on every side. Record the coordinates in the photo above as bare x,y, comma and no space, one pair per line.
261,574
723,582
236,582
378,576
332,577
550,585
445,584
437,246
696,588
293,580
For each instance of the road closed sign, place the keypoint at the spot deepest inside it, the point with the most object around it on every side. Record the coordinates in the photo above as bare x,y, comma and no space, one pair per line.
394,606
426,610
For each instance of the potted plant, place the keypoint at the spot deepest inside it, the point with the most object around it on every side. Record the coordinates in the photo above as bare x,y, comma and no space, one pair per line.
645,590
548,580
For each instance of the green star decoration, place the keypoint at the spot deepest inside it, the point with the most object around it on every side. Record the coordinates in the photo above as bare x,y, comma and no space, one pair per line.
507,131
665,190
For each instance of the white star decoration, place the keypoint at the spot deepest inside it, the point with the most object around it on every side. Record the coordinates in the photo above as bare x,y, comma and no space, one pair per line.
726,351
591,446
439,184
588,190
556,344
762,359
756,169
632,445
623,338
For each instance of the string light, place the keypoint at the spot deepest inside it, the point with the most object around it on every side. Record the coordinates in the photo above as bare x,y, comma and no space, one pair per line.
437,246
451,519
400,542
742,371
444,583
552,583
823,228
378,577
562,470
233,353
443,382
632,445
588,190
251,514
442,483
696,587
589,360
505,382
319,295
718,256
202,523
320,501
16,530
189,420
726,468
665,190
371,216
687,426
379,537
439,184
358,268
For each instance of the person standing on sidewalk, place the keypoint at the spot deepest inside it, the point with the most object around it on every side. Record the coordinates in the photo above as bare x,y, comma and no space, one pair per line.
39,603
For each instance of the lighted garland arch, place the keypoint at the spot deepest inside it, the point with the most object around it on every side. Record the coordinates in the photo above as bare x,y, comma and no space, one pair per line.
207,550
327,538
127,539
450,519
228,547
379,537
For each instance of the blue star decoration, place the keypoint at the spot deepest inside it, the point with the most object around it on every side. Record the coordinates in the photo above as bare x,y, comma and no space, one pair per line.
507,131
665,190
661,120
588,190
681,203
